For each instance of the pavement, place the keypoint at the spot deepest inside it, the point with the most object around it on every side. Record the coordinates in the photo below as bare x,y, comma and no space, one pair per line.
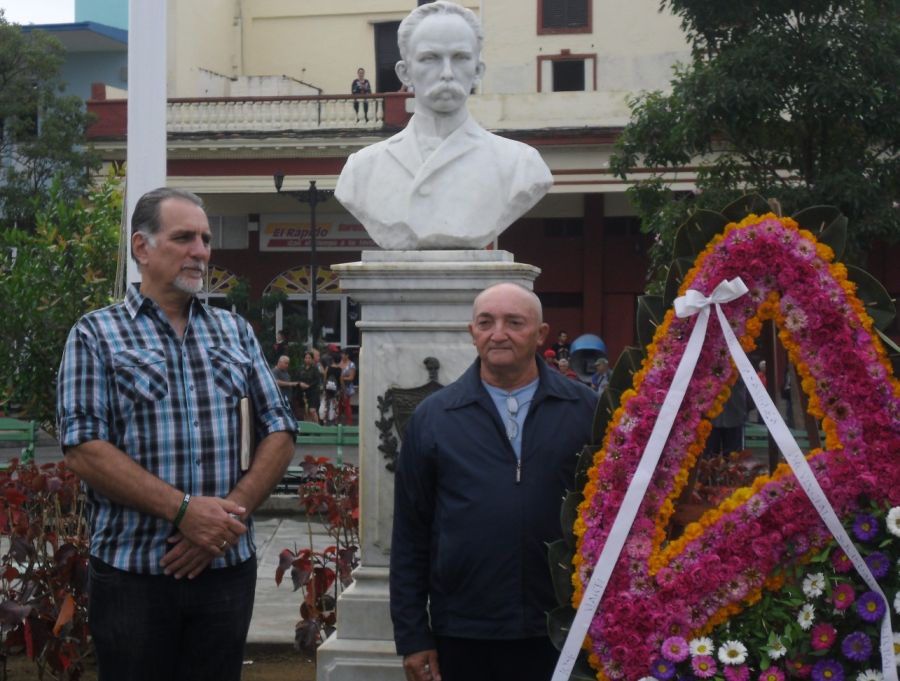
279,524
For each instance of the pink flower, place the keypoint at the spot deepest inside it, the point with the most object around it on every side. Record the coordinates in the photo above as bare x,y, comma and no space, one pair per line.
772,674
737,673
840,562
704,666
675,649
843,596
823,636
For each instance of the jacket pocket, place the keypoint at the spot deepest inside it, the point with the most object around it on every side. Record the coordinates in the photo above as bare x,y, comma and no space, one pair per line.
141,375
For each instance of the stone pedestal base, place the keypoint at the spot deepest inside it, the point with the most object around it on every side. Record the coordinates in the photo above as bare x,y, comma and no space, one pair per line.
415,304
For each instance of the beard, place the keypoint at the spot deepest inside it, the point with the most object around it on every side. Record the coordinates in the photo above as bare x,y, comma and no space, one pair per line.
190,284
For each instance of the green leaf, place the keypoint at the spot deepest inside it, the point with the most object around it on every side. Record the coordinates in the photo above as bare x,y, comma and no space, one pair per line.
583,465
828,225
650,313
560,554
628,364
693,236
877,301
568,514
606,406
749,203
677,271
559,621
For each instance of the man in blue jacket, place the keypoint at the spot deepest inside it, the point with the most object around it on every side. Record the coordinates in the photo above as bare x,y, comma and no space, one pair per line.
483,468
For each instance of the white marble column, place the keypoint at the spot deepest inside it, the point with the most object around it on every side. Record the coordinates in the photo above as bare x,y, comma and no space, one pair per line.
415,304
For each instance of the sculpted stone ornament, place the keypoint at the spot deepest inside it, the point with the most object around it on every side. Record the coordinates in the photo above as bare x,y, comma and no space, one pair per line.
443,182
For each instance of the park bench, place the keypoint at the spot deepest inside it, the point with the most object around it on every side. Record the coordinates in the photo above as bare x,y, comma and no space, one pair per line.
317,435
756,436
17,430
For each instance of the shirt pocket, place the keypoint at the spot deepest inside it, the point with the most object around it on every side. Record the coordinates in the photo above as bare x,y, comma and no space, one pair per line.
230,369
141,375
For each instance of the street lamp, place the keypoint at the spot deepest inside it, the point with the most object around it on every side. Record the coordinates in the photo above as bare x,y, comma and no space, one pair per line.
312,196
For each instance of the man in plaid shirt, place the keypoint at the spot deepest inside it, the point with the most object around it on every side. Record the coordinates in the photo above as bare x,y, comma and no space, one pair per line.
149,397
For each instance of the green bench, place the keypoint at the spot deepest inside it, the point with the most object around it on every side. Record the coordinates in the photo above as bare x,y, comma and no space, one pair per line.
16,430
314,434
756,436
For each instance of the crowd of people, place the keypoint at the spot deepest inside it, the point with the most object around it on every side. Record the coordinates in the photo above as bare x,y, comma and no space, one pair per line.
321,388
559,356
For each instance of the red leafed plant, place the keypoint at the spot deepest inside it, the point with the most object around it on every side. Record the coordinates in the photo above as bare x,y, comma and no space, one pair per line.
43,569
329,496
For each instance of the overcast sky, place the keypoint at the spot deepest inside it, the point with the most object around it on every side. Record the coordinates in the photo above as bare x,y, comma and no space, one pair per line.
39,11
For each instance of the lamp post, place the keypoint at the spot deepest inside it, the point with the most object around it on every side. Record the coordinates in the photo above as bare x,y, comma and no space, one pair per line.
312,196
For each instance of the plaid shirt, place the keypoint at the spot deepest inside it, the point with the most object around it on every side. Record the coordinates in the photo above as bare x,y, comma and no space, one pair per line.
172,405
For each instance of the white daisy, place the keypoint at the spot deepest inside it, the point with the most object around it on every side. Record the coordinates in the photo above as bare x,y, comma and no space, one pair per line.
732,652
814,585
897,603
870,675
893,521
701,646
777,650
807,616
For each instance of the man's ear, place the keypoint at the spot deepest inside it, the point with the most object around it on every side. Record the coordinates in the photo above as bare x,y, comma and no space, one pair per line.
479,71
543,330
402,71
139,247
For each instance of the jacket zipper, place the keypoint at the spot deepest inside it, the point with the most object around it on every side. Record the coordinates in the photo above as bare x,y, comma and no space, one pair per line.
518,470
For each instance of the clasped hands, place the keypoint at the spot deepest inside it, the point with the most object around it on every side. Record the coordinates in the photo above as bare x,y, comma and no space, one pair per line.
209,526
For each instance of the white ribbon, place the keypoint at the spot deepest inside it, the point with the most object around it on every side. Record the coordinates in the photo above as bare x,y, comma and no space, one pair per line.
695,303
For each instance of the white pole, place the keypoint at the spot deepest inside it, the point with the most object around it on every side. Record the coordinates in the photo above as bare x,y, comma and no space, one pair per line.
147,47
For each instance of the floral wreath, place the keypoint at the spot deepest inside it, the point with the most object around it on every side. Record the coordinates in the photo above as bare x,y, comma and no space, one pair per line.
665,600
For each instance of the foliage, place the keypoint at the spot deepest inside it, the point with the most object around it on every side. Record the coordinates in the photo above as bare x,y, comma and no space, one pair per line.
818,619
49,278
330,495
261,314
43,573
797,100
43,130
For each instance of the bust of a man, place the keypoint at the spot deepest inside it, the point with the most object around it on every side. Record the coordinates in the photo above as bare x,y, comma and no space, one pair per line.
443,182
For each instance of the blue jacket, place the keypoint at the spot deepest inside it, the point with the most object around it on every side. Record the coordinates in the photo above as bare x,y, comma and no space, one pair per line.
471,527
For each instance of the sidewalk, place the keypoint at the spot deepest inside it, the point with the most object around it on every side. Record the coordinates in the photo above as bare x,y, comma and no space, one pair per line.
279,525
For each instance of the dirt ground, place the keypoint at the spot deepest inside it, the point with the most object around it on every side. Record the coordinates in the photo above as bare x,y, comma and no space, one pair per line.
261,663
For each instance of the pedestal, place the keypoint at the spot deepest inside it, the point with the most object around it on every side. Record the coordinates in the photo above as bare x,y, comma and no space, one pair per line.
415,304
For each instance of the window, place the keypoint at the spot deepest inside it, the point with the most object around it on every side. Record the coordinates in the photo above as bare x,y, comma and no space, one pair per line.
568,75
229,232
564,16
567,72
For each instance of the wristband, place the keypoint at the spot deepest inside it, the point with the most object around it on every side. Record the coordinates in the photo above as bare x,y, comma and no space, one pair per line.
182,509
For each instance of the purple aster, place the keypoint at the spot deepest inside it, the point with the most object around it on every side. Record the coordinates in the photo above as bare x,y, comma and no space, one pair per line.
857,647
870,606
878,564
663,669
865,527
827,670
676,649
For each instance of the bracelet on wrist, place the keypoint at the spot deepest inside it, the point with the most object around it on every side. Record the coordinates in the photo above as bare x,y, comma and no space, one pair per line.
182,510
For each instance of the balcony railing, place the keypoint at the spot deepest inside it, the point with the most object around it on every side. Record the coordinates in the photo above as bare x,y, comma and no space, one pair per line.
261,114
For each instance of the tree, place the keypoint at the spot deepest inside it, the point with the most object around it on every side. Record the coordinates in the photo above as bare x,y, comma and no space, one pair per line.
795,100
43,131
49,277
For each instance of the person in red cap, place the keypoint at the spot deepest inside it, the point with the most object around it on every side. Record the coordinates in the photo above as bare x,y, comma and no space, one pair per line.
550,357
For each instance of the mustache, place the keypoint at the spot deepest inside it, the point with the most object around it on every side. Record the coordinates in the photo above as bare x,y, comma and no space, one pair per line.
446,87
196,266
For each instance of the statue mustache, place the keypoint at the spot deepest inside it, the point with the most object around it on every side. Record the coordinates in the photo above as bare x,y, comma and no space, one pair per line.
446,87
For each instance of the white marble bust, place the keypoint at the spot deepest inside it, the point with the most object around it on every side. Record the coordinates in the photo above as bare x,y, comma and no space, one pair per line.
443,182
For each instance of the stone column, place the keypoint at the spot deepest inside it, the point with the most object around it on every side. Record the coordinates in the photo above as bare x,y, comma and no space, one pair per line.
415,304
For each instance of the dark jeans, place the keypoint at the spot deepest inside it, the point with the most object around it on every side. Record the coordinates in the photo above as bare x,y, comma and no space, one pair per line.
157,628
524,659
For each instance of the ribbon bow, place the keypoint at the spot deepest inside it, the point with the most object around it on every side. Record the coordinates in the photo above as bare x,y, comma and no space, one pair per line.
693,301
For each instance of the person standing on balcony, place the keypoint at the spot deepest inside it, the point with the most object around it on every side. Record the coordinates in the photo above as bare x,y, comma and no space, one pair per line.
484,464
443,181
149,406
361,86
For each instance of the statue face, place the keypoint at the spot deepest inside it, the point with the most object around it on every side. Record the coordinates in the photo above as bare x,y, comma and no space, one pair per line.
443,63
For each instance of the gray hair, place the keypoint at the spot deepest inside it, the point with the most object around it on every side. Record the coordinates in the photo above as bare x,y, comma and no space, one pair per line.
422,12
145,219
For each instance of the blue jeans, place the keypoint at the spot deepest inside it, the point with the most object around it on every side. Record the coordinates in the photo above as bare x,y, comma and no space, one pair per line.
158,628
